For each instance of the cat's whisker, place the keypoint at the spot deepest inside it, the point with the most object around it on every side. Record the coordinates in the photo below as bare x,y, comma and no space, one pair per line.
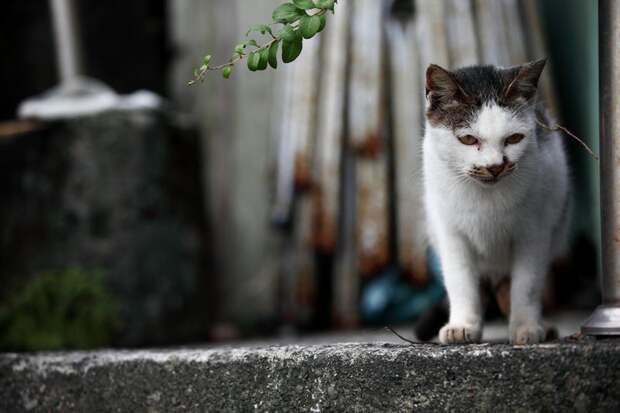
526,106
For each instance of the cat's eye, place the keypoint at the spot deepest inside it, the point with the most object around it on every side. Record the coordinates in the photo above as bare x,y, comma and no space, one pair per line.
468,140
514,139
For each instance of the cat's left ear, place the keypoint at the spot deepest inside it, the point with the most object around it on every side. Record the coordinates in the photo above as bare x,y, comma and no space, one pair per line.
525,81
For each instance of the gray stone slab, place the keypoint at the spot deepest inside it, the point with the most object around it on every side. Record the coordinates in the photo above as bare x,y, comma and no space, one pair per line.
567,376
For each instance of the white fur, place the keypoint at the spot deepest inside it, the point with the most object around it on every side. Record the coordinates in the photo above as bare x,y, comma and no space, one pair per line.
513,227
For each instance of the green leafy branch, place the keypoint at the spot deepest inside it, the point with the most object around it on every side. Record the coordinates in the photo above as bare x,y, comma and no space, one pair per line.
299,19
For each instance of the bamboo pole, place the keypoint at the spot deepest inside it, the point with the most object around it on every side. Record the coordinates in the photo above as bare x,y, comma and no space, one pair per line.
461,31
298,281
513,31
304,104
433,39
330,132
494,49
285,146
367,138
305,287
408,132
296,126
366,67
346,275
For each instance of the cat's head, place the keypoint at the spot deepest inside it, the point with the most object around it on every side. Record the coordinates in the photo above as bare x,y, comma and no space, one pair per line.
482,118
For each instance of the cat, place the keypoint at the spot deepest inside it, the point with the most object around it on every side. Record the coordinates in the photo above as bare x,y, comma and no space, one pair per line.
496,193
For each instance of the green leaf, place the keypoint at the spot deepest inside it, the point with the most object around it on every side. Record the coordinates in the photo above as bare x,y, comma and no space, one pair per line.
239,48
304,4
325,4
287,13
289,34
273,54
206,60
252,42
291,50
323,22
262,28
227,72
309,26
264,59
253,61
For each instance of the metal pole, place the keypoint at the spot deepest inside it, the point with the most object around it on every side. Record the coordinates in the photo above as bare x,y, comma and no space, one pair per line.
66,34
605,320
76,95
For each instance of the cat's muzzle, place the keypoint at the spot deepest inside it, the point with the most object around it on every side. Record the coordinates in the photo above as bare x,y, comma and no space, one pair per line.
492,174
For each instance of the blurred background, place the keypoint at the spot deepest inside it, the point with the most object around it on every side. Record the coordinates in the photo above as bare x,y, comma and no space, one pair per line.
135,210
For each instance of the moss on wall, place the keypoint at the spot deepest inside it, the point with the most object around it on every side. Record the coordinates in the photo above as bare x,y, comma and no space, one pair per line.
68,309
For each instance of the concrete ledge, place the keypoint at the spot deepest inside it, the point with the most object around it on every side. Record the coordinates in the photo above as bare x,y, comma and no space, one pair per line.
339,377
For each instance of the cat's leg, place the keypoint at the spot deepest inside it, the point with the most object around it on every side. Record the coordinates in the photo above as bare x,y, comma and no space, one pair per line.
463,286
531,262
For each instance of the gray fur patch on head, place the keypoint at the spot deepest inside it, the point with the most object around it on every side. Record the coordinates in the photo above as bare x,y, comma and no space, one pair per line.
455,97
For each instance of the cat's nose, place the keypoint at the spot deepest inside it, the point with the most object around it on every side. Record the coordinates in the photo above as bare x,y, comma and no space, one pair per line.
496,170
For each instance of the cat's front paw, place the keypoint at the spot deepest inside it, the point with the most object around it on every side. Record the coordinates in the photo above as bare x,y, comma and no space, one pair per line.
531,333
459,334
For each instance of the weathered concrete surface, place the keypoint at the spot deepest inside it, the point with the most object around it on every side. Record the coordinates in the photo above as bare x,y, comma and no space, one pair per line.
340,377
120,192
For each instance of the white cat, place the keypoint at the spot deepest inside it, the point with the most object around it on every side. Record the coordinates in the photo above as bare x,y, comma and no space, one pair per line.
496,193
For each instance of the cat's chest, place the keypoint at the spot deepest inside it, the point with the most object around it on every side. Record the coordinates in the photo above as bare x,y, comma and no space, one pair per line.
488,223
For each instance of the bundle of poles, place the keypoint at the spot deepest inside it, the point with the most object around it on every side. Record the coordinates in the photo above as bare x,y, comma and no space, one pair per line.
349,131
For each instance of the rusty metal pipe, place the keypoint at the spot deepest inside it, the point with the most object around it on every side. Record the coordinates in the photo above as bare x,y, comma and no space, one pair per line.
605,320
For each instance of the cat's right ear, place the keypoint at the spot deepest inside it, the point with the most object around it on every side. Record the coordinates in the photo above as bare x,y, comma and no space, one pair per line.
524,81
442,83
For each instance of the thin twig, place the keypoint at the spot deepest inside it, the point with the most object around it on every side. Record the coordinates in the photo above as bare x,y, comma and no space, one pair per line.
399,336
201,73
569,133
